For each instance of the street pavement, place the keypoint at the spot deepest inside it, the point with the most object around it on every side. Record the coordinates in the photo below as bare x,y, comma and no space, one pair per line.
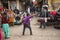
38,34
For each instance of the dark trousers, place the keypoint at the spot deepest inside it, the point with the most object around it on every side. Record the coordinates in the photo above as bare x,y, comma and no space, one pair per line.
27,26
43,24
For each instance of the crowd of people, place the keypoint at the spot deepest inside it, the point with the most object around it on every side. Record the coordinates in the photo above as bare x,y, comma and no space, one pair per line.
5,20
9,18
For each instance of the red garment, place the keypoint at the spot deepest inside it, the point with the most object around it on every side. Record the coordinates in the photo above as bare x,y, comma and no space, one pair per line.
4,20
0,34
53,13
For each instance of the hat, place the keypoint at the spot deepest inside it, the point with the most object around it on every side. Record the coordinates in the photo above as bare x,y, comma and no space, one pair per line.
45,6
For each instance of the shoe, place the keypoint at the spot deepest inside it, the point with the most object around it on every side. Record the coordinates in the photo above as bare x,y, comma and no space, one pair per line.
30,34
22,34
7,37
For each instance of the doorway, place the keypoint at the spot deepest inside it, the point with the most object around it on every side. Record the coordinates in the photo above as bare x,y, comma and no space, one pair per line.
5,5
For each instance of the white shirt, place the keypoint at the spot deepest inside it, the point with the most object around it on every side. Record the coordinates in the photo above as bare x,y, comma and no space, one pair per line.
28,10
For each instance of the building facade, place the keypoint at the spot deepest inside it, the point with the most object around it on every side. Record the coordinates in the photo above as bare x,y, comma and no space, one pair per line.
53,4
11,4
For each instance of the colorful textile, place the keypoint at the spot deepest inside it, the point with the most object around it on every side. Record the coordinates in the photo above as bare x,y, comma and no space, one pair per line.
11,20
10,14
53,13
0,34
6,29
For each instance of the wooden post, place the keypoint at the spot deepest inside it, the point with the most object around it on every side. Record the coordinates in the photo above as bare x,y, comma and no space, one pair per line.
17,4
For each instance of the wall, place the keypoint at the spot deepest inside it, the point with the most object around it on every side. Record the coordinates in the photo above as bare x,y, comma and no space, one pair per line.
56,4
53,4
50,5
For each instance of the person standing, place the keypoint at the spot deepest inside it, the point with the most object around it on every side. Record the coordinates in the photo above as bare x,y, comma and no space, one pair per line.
43,15
26,23
11,18
28,10
5,25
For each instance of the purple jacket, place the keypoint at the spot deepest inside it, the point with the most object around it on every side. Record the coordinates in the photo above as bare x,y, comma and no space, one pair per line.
26,19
